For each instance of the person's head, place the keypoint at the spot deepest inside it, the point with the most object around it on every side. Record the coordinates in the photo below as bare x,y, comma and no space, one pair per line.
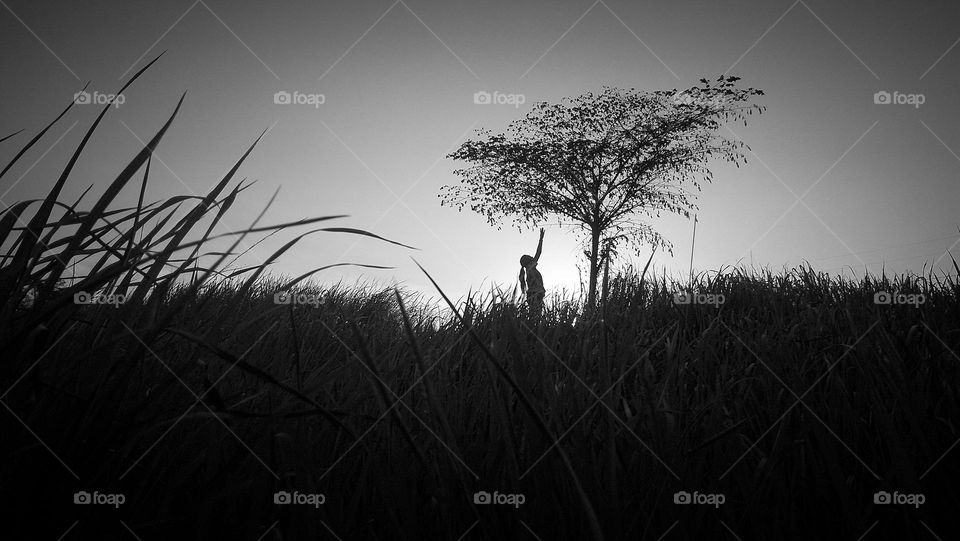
525,261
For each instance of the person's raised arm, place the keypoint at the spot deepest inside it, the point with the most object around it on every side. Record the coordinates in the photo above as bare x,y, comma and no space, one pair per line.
536,257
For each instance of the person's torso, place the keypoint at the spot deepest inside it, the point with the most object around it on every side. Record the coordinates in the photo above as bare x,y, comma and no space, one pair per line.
534,281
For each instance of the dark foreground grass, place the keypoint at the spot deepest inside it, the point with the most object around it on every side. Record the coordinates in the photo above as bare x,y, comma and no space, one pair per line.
162,395
797,400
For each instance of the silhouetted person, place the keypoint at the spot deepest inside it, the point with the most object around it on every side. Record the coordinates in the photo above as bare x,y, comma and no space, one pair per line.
531,282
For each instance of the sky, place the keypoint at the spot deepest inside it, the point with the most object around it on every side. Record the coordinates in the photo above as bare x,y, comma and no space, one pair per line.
381,91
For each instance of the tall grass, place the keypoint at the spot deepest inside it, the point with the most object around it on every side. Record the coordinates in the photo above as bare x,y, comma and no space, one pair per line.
202,395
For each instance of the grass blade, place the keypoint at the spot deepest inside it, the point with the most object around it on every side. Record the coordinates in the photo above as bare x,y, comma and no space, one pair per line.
260,374
595,528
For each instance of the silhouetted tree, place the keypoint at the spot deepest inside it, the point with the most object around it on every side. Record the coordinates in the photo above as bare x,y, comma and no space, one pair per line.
601,160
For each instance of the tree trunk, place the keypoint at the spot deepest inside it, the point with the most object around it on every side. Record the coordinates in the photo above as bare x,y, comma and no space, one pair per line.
594,265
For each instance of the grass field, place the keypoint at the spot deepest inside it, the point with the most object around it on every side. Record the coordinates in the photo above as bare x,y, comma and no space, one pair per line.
161,396
399,422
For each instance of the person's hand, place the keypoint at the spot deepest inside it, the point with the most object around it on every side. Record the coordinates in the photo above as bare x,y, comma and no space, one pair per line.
541,232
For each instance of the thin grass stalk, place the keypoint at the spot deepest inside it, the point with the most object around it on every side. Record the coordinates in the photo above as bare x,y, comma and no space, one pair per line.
12,277
595,528
296,348
427,384
5,137
180,231
380,389
263,376
606,366
108,196
37,137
